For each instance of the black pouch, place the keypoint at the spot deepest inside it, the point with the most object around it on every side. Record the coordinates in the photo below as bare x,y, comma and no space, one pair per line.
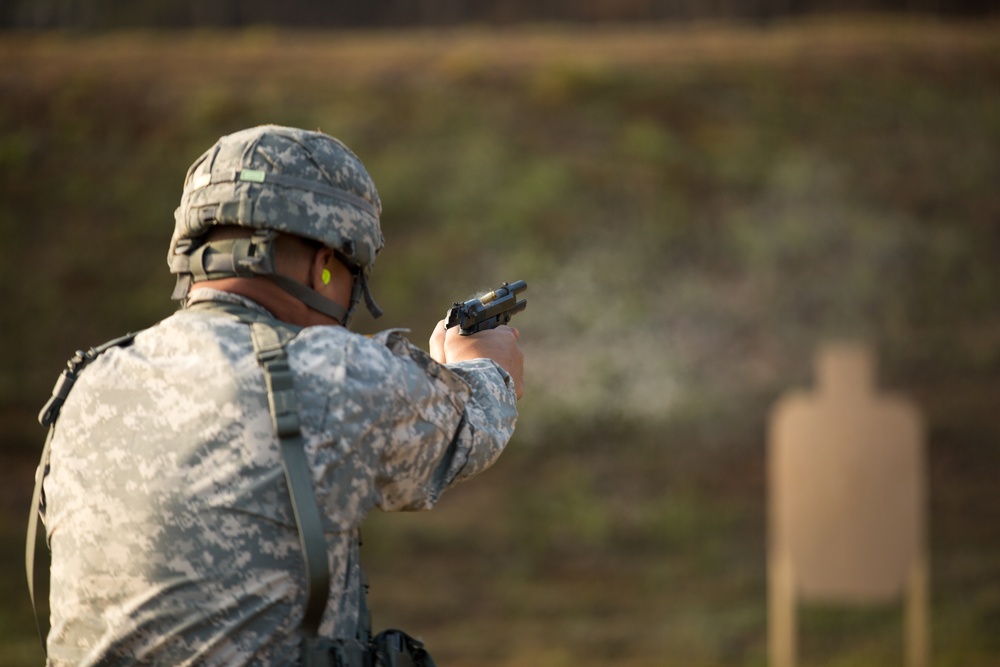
395,648
389,648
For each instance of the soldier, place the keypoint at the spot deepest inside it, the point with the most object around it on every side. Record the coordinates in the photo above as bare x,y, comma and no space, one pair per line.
207,477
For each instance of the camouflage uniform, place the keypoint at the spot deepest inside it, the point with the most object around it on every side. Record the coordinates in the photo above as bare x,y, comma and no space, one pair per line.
172,535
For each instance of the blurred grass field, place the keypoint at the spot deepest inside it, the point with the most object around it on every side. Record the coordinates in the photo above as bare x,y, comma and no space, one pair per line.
695,209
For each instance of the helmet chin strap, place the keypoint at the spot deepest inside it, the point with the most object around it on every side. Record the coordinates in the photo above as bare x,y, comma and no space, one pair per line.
330,308
254,258
312,298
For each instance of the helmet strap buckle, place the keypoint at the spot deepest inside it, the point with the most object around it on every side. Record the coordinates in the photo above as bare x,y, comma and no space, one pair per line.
255,256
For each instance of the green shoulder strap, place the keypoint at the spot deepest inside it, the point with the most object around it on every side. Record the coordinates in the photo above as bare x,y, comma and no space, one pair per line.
269,344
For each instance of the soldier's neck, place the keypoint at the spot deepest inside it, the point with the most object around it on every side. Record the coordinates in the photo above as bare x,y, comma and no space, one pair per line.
278,302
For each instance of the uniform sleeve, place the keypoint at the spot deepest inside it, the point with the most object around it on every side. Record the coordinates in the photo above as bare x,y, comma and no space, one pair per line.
455,421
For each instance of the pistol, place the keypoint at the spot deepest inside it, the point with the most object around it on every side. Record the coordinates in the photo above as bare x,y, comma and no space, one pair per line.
489,310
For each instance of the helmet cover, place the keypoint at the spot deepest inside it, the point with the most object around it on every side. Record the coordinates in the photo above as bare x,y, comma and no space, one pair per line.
303,183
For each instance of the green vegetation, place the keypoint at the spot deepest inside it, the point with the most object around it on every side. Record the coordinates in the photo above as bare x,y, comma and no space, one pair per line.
694,212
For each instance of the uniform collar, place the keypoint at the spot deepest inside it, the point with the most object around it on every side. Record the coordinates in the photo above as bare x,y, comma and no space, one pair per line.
208,294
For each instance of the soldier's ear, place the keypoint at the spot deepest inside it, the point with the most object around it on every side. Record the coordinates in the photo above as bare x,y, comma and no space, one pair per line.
320,269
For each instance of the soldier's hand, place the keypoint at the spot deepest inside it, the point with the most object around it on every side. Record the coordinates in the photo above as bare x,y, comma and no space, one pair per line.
499,344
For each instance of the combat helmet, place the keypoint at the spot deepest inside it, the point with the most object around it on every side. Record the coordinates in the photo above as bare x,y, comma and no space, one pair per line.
274,179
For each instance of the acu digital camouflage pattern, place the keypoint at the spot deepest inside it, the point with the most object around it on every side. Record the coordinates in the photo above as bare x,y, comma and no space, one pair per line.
290,180
172,535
